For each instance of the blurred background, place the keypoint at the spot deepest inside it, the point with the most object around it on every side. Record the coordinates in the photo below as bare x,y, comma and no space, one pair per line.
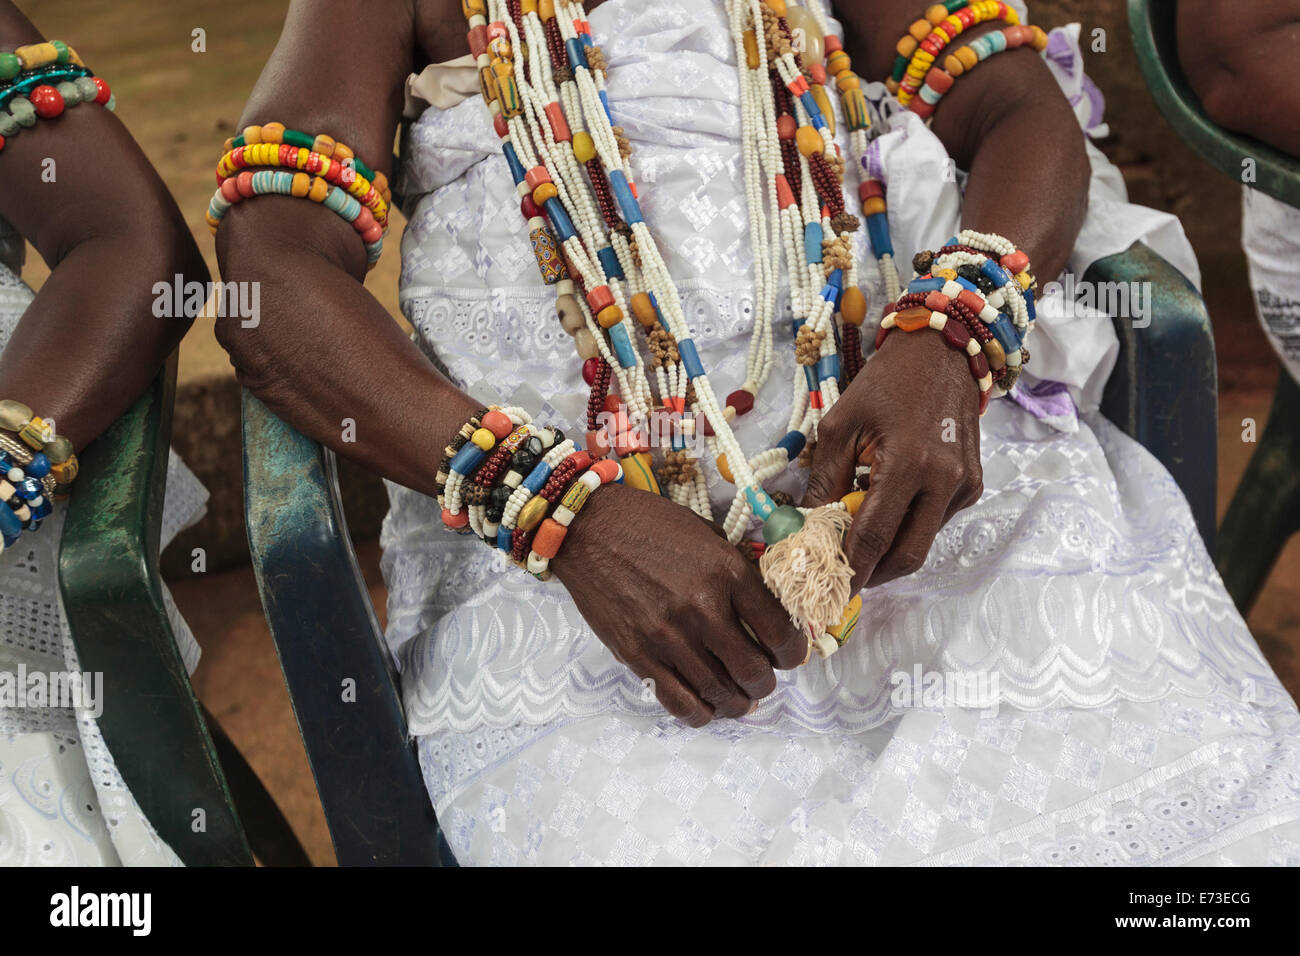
181,105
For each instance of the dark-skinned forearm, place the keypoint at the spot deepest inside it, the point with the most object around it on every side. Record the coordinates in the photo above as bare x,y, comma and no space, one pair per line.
1006,123
83,193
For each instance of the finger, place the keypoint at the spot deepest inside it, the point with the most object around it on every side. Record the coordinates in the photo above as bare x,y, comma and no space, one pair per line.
708,678
925,517
768,621
830,477
878,519
746,662
677,696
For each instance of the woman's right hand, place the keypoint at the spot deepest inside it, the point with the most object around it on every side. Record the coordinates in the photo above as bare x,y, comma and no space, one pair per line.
666,593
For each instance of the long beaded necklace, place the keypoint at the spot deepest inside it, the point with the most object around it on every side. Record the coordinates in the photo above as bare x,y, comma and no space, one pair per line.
543,79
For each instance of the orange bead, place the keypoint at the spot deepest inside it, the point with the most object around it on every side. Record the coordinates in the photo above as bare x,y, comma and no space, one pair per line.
910,320
606,470
498,424
644,310
853,306
549,537
809,141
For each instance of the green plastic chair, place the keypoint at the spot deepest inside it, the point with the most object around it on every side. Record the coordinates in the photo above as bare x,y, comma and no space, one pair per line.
1265,510
169,750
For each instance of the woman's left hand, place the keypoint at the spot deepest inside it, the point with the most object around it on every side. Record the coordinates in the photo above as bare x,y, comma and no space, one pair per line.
912,414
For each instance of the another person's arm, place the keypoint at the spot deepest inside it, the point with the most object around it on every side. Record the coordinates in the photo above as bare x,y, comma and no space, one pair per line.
84,194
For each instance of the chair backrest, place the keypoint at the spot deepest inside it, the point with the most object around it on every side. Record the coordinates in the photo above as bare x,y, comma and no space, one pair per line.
112,595
1155,38
336,663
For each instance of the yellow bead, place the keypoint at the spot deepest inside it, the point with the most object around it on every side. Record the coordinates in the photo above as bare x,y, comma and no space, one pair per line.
906,46
1024,280
937,13
848,80
319,190
528,6
838,62
967,57
531,515
853,306
37,54
584,147
724,469
484,438
920,29
609,316
273,133
65,471
848,621
544,192
751,50
323,144
644,310
824,104
34,433
301,185
252,135
637,473
853,501
546,9
950,274
809,141
575,497
872,206
473,8
776,6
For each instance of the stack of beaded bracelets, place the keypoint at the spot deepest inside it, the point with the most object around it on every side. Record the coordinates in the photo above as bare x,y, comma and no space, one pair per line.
501,475
983,306
38,467
40,81
927,38
287,162
940,81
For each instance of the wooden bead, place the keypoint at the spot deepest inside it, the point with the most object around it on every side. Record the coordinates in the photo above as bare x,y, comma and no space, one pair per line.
853,306
644,310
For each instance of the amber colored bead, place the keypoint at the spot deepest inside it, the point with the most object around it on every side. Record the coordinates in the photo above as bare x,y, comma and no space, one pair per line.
906,46
609,316
776,6
910,320
584,147
967,57
848,80
544,192
853,501
824,104
997,358
838,62
65,471
751,50
873,206
920,29
644,310
546,10
637,472
809,141
853,306
724,469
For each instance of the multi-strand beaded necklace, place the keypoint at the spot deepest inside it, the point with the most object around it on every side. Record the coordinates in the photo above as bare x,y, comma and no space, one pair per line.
543,79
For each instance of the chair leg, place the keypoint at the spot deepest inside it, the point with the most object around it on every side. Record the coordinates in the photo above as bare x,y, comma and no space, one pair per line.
269,834
1265,510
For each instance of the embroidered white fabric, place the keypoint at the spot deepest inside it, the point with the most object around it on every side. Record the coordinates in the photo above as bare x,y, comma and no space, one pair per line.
62,800
1078,582
1270,235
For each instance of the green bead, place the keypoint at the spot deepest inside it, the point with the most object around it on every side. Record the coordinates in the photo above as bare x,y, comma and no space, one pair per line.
58,451
22,110
9,66
62,48
294,138
14,415
781,523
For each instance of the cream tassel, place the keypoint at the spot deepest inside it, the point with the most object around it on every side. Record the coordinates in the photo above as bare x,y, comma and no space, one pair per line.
809,572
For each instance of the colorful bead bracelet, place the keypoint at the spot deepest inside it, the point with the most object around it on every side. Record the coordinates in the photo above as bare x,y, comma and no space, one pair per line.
302,159
42,80
947,30
267,182
327,172
38,467
940,81
552,531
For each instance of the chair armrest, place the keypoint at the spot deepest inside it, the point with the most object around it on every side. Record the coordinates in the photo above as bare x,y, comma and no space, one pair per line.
336,663
1164,391
1155,37
112,596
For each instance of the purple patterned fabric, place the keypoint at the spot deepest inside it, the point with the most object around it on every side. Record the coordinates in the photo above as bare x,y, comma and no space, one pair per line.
1049,402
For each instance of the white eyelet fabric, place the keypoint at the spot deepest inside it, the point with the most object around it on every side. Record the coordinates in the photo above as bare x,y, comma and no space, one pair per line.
1136,720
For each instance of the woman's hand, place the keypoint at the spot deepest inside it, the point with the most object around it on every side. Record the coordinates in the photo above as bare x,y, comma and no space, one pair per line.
912,414
667,594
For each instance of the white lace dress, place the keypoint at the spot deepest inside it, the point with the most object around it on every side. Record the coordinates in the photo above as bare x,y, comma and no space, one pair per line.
1135,720
62,800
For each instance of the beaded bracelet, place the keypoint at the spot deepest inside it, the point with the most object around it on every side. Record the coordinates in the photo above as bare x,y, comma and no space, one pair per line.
507,426
527,489
917,32
40,81
947,30
552,531
955,334
940,81
534,511
359,212
38,466
300,158
302,186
